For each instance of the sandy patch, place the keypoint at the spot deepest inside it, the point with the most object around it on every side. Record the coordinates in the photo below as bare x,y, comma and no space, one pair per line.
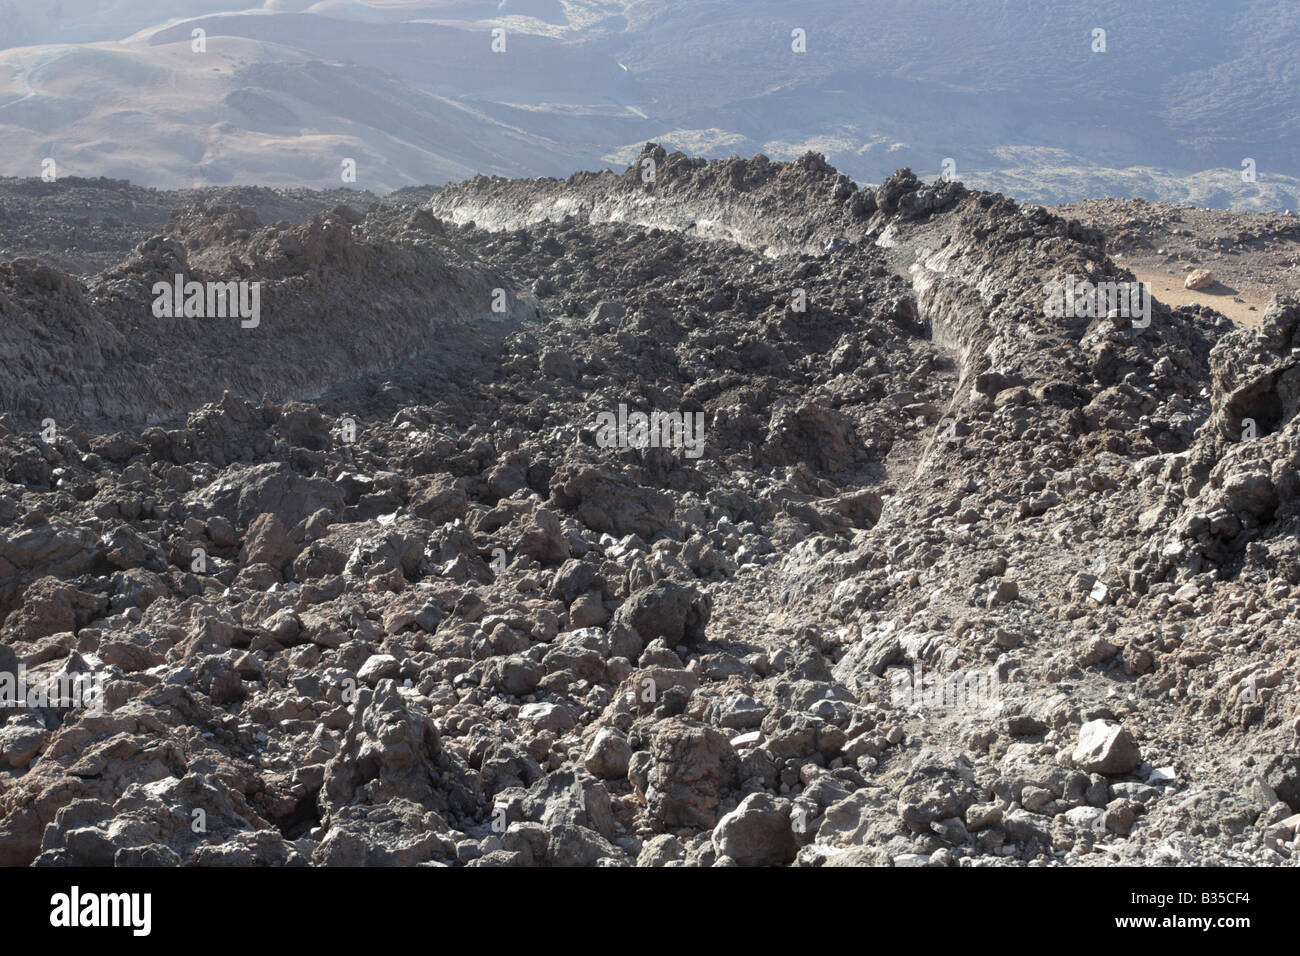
1240,306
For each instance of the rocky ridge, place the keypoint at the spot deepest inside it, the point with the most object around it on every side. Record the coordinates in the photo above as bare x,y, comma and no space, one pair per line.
953,581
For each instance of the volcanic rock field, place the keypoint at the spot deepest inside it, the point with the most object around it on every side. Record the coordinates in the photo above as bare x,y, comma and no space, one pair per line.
951,581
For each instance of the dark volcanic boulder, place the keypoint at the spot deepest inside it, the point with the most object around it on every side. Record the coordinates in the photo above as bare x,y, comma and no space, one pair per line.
675,612
241,494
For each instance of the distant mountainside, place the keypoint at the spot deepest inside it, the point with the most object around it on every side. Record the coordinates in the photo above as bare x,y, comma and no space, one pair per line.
1017,94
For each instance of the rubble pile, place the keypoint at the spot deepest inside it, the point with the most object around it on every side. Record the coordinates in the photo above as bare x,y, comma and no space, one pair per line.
727,516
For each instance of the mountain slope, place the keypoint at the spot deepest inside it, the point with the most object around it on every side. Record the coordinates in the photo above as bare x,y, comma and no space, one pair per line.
1012,92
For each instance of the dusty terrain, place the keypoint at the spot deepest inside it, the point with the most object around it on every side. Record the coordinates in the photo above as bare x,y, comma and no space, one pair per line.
366,584
1252,257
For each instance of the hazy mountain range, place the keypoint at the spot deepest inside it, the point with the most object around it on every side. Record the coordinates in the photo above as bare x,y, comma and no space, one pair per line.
1015,93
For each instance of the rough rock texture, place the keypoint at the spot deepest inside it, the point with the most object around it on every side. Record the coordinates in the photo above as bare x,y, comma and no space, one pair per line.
1105,748
949,579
